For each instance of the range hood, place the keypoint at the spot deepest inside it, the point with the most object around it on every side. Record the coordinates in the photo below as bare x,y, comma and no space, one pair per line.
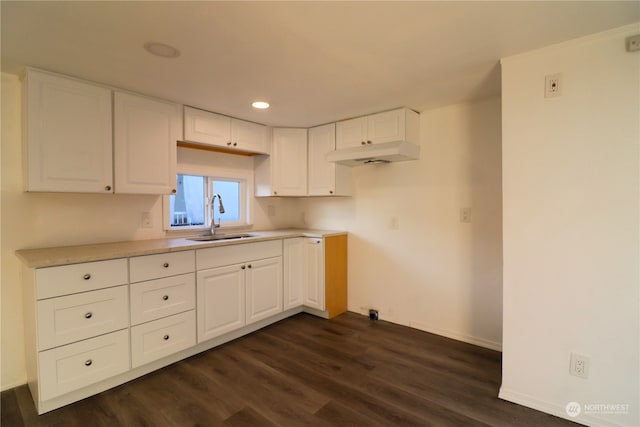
385,152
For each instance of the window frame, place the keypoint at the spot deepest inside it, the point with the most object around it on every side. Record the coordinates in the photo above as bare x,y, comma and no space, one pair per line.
245,179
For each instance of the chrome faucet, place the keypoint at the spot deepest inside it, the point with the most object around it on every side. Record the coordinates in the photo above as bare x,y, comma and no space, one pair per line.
213,213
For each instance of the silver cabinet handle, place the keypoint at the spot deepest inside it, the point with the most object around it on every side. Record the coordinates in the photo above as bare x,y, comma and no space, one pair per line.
165,297
88,362
88,315
86,276
166,337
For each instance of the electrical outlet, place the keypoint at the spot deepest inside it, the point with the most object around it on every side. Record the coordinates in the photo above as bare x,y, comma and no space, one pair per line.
146,220
579,366
553,85
465,215
633,43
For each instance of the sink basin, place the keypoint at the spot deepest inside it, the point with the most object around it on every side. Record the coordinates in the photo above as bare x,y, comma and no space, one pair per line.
220,237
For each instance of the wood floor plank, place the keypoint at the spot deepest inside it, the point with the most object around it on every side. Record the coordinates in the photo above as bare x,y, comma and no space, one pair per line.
306,371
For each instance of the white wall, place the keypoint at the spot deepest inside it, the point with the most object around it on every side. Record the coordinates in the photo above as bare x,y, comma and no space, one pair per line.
432,272
42,219
571,227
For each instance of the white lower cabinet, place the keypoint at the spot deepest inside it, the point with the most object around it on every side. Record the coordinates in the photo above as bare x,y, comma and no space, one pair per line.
263,283
293,254
155,340
313,292
221,296
90,326
70,367
237,285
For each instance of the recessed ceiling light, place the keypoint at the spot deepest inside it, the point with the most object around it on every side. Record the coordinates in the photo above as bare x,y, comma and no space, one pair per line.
161,49
261,105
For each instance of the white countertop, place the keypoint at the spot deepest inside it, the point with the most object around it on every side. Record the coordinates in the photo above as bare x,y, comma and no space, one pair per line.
48,257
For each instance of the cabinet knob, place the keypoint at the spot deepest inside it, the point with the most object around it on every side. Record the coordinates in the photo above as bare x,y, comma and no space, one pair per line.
166,337
165,265
165,297
88,362
243,267
229,143
173,191
86,276
275,193
330,191
249,266
235,144
88,315
107,188
363,143
369,142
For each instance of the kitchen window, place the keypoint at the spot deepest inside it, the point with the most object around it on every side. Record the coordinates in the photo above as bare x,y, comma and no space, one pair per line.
190,207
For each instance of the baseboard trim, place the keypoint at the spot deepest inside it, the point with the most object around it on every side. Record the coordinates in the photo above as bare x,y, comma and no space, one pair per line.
481,342
552,408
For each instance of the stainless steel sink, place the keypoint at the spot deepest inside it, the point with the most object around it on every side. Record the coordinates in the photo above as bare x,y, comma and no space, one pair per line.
220,237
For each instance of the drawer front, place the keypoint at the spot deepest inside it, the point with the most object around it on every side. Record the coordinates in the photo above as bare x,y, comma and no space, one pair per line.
71,318
154,340
89,276
150,267
162,297
236,254
71,367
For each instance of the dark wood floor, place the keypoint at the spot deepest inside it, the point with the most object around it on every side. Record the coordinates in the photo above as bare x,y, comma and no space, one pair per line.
306,371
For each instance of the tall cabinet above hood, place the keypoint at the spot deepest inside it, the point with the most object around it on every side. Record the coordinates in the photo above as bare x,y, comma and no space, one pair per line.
390,136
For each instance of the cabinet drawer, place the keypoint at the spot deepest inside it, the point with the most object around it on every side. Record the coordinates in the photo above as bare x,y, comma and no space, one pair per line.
74,278
162,297
77,365
154,340
236,254
76,317
150,267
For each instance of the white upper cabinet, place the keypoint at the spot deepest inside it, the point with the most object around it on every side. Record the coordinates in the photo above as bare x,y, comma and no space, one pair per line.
326,178
351,133
145,135
217,130
284,172
396,125
68,135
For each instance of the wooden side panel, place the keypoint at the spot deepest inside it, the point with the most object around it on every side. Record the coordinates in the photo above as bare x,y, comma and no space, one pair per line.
335,273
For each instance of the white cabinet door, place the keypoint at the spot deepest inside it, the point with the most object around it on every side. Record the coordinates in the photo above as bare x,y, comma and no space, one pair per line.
386,127
264,288
289,157
351,133
145,136
313,290
68,135
249,136
326,178
220,301
293,263
207,128
322,174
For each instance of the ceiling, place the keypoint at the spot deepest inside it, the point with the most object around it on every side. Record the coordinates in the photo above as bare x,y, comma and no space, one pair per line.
315,62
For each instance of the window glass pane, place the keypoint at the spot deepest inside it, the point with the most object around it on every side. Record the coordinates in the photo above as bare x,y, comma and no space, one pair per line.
187,205
230,193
